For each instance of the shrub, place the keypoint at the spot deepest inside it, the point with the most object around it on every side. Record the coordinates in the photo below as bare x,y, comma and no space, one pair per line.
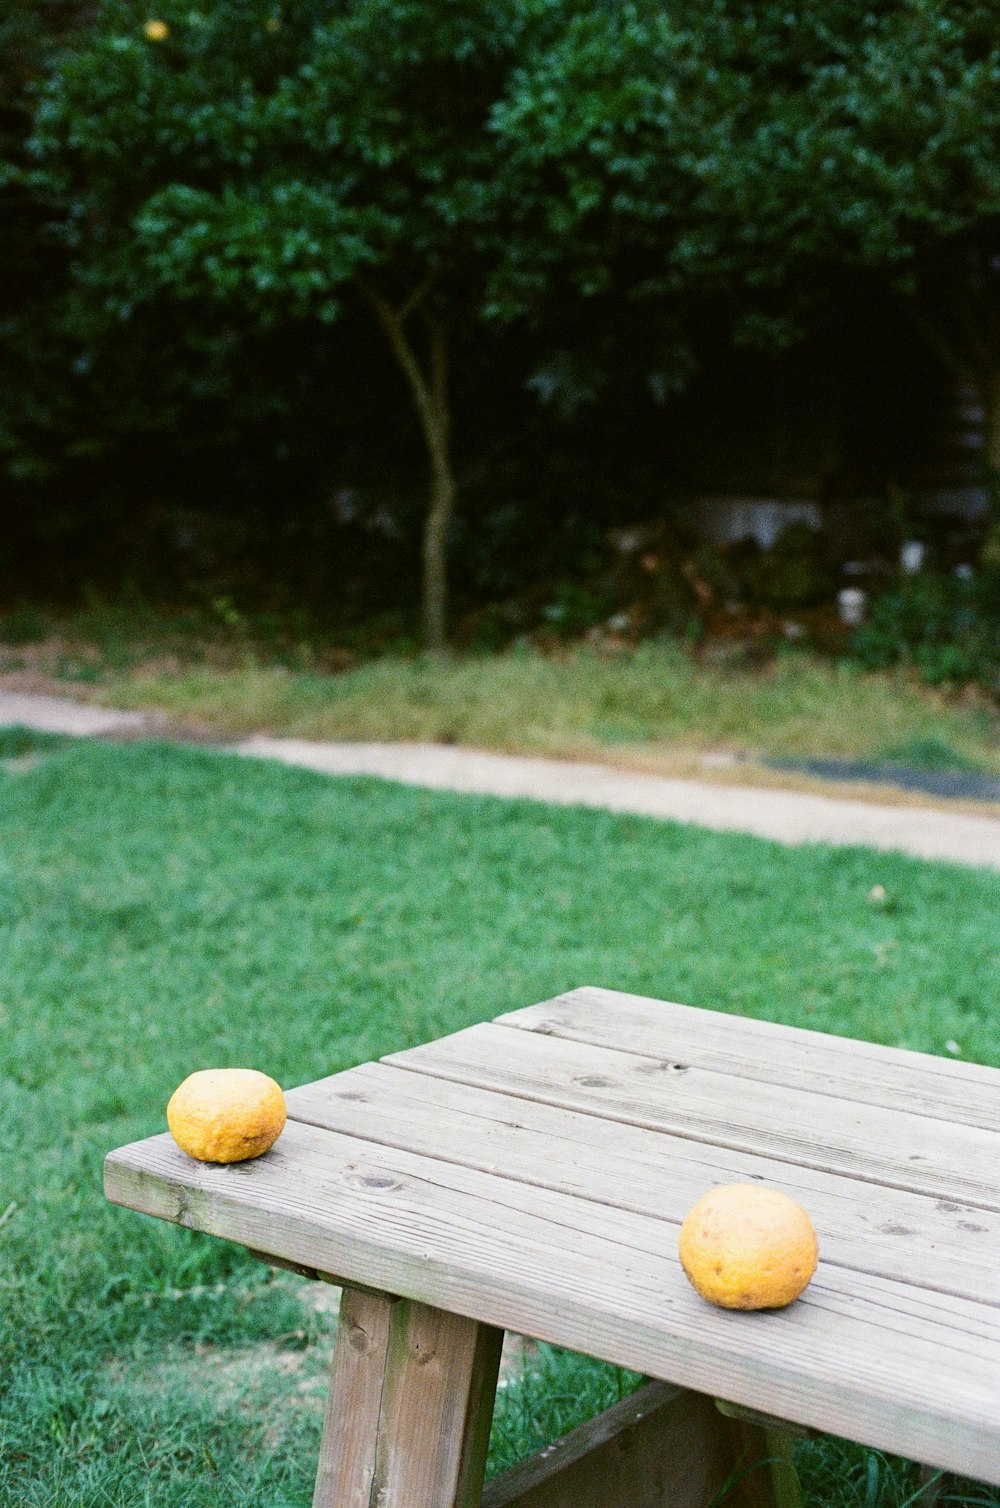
947,627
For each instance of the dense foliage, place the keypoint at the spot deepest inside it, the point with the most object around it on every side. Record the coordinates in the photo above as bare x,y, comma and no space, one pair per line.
257,239
947,627
755,152
31,382
278,164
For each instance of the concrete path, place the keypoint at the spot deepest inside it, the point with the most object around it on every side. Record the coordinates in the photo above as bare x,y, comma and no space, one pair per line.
786,816
51,714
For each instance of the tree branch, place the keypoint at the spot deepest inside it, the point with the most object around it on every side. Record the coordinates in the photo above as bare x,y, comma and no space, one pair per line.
415,299
382,305
429,390
424,397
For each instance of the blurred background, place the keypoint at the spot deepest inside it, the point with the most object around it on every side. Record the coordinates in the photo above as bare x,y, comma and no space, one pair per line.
385,326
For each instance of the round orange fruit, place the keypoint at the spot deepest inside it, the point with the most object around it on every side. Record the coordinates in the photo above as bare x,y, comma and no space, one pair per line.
226,1114
747,1247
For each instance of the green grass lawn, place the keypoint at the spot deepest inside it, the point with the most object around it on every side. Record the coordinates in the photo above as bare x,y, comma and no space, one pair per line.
163,910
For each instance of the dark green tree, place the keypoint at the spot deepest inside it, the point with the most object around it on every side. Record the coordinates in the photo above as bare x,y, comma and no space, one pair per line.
32,364
752,155
868,138
282,159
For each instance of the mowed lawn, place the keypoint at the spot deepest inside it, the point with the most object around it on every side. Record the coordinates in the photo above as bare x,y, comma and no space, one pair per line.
163,910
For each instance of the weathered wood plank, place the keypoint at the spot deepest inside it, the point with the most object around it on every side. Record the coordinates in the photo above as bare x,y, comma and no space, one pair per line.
874,1360
408,1412
891,1147
349,1445
866,1072
437,1404
936,1243
660,1448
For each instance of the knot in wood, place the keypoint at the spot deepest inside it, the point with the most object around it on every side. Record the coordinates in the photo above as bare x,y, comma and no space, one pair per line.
371,1182
357,1339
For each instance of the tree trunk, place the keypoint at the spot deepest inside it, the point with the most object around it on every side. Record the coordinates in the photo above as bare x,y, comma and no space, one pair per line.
428,386
442,497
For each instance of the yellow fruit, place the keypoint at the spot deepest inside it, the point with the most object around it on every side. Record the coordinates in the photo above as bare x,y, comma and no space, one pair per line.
156,31
226,1114
747,1247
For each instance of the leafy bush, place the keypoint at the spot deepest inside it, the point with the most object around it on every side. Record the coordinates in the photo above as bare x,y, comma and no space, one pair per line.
575,608
945,626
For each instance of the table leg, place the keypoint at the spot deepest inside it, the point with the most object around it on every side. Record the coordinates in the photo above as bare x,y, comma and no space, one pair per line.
409,1409
664,1447
933,1484
766,1475
408,1422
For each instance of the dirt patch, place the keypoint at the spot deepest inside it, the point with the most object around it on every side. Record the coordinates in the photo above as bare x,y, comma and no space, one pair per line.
279,1383
227,1377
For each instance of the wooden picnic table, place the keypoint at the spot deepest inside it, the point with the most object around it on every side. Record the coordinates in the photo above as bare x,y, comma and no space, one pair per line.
530,1175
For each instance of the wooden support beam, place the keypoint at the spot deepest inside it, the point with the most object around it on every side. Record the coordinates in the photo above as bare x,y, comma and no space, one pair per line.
765,1421
765,1475
933,1485
283,1265
409,1408
634,1454
664,1447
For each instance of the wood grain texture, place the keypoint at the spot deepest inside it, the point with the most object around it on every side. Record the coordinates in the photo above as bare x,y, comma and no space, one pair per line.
437,1404
891,1147
409,1408
661,1448
349,1446
876,1360
864,1072
937,1243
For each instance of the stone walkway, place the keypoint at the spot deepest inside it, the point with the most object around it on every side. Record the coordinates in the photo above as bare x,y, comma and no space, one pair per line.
785,816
